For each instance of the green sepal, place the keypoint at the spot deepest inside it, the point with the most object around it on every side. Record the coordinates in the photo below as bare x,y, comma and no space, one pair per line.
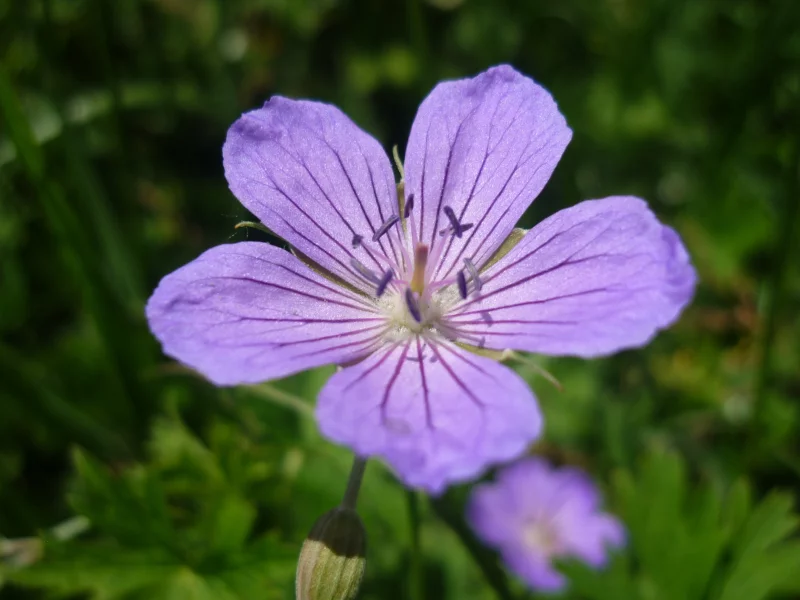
514,238
255,225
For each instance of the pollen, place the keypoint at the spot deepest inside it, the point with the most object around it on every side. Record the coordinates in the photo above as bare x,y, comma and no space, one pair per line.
408,314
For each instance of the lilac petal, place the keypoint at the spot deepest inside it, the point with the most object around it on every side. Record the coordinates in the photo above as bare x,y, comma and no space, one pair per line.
535,569
436,413
315,179
249,312
485,147
593,279
590,537
495,514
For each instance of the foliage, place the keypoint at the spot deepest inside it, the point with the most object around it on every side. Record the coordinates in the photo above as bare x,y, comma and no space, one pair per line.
696,543
180,526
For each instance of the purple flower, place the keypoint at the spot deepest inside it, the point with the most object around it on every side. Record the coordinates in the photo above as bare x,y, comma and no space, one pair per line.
535,513
399,290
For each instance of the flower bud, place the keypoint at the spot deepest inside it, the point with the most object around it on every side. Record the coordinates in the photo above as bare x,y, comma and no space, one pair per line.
332,560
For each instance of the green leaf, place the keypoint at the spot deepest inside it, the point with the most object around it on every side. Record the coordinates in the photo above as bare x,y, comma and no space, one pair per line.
106,571
677,536
611,583
762,561
130,506
230,525
770,522
737,507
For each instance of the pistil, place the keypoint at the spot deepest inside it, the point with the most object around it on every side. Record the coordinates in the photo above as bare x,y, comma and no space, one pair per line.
420,264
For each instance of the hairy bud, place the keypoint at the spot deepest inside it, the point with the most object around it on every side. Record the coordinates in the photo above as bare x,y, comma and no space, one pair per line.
333,558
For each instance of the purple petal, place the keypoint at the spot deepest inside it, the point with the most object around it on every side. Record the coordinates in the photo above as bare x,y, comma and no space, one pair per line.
495,514
591,280
485,147
249,312
590,537
315,179
533,568
436,413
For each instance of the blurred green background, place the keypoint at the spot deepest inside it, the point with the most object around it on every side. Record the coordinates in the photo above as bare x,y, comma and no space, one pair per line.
123,476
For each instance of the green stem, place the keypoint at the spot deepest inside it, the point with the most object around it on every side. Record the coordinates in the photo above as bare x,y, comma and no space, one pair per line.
417,587
354,483
278,396
450,513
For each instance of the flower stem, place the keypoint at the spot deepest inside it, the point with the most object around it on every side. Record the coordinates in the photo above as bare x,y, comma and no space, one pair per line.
354,483
282,398
417,587
450,513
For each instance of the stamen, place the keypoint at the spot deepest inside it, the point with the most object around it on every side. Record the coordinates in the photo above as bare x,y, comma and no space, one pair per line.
365,272
462,284
384,283
390,222
409,206
451,215
412,222
473,273
456,228
413,306
357,239
437,285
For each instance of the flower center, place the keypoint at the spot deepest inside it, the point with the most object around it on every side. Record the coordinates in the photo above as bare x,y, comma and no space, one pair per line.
408,314
539,536
413,301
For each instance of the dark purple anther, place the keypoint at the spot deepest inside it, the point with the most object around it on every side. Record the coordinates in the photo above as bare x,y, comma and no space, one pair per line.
451,216
390,222
357,239
365,272
463,227
409,206
474,275
384,283
462,284
457,228
413,306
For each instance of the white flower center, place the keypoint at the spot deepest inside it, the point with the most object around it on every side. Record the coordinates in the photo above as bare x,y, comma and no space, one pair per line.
540,536
403,324
408,291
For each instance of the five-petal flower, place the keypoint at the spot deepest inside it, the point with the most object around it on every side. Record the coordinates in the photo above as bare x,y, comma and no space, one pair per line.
400,288
534,513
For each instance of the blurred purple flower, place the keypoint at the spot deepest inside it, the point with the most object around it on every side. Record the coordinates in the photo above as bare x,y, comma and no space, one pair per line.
398,288
535,513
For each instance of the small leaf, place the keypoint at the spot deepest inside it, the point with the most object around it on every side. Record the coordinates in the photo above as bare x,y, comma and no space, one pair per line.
107,571
759,576
770,522
231,525
737,507
132,506
761,563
